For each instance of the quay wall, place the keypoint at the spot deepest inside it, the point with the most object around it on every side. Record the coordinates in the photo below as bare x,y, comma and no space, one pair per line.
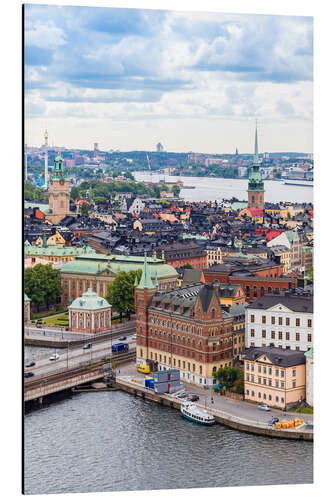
228,420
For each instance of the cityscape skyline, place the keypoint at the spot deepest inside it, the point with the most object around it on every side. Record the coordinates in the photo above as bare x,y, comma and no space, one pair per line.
88,78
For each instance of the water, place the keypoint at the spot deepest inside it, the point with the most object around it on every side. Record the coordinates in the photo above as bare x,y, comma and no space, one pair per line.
111,441
211,189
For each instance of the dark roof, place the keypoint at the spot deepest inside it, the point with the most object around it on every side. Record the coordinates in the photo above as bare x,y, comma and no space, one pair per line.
294,302
277,356
191,276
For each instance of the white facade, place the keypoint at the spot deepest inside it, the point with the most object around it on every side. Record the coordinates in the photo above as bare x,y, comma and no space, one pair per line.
137,206
279,326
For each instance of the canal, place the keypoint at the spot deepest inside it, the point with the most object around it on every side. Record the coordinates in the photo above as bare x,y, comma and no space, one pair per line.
111,441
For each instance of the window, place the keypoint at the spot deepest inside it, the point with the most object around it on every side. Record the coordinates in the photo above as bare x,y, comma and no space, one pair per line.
287,336
264,396
264,369
309,323
282,385
277,399
252,378
252,318
263,320
280,335
294,373
252,393
259,368
282,373
247,392
276,383
297,337
309,337
273,320
252,332
287,321
269,382
298,321
248,377
263,333
264,380
252,368
270,397
259,380
272,334
280,320
259,395
282,400
294,384
297,348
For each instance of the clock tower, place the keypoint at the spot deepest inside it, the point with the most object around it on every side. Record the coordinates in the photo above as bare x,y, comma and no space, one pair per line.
58,193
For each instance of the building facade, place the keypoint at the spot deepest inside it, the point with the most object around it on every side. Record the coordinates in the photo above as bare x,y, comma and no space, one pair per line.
283,321
185,329
89,314
274,377
309,376
97,271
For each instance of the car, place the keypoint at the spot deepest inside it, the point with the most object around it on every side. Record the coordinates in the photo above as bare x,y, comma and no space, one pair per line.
87,346
182,395
143,369
264,408
122,338
31,363
273,421
193,397
134,337
28,374
54,357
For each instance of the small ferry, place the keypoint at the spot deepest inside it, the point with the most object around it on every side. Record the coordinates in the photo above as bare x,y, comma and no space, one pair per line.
191,412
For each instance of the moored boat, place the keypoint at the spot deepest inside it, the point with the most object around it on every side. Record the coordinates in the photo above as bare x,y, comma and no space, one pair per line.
191,412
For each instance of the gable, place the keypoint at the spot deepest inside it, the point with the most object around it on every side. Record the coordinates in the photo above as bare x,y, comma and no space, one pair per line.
264,359
280,308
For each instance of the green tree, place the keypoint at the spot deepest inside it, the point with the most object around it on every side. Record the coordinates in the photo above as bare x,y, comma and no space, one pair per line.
75,193
187,266
229,376
310,273
121,292
156,191
84,209
42,284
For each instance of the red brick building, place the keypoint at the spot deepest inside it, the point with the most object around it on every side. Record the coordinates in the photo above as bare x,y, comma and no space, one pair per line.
256,279
179,254
184,328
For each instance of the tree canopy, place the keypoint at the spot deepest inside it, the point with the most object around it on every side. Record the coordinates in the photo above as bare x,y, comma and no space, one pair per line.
231,378
42,284
121,292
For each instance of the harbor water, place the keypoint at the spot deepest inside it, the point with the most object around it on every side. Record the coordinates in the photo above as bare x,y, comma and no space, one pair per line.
211,189
112,441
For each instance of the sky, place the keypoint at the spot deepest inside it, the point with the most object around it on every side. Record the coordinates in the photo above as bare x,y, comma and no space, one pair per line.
130,78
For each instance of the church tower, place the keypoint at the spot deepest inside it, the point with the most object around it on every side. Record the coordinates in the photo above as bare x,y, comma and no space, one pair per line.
46,159
143,294
256,184
58,193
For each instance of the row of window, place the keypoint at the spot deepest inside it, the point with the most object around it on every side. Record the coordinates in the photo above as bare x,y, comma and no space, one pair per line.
268,370
260,380
280,320
264,396
280,335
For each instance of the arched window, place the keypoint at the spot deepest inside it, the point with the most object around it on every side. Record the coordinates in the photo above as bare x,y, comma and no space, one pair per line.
255,291
213,313
262,291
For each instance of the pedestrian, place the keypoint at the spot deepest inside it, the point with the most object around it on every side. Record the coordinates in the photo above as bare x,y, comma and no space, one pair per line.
44,333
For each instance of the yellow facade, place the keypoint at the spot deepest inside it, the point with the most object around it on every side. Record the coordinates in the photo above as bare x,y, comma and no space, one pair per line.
56,239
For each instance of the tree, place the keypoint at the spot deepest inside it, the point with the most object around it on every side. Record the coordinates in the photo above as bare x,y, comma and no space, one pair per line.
310,273
121,292
42,284
75,193
84,209
230,377
187,266
176,190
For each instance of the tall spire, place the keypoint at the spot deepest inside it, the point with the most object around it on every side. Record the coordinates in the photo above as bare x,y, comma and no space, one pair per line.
145,281
256,158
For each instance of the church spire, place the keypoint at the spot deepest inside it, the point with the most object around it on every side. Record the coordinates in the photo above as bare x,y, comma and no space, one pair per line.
145,281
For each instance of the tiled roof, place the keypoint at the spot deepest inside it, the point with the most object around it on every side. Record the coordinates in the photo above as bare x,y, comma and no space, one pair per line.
296,303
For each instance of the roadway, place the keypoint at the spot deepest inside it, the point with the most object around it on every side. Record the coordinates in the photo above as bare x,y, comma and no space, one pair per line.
241,409
71,358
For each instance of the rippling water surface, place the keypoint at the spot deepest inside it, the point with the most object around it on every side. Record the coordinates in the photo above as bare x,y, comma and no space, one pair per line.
111,441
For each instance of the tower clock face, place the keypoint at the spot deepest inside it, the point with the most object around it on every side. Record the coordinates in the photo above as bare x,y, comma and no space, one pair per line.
62,181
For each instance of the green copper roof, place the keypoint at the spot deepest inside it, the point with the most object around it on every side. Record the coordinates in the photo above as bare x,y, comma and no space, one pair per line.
53,250
238,205
101,263
26,298
89,301
145,281
255,180
309,353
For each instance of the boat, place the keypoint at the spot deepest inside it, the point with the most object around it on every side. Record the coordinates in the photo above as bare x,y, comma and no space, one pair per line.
298,182
188,187
191,412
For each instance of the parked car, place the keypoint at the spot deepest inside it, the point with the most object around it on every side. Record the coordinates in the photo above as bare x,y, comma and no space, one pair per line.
182,395
264,408
87,346
54,357
122,338
28,374
193,397
273,420
31,363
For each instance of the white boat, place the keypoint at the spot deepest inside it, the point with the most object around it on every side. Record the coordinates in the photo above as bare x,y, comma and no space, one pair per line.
191,412
298,182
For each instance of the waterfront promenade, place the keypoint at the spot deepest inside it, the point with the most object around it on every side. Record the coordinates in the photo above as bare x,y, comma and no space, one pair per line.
240,415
